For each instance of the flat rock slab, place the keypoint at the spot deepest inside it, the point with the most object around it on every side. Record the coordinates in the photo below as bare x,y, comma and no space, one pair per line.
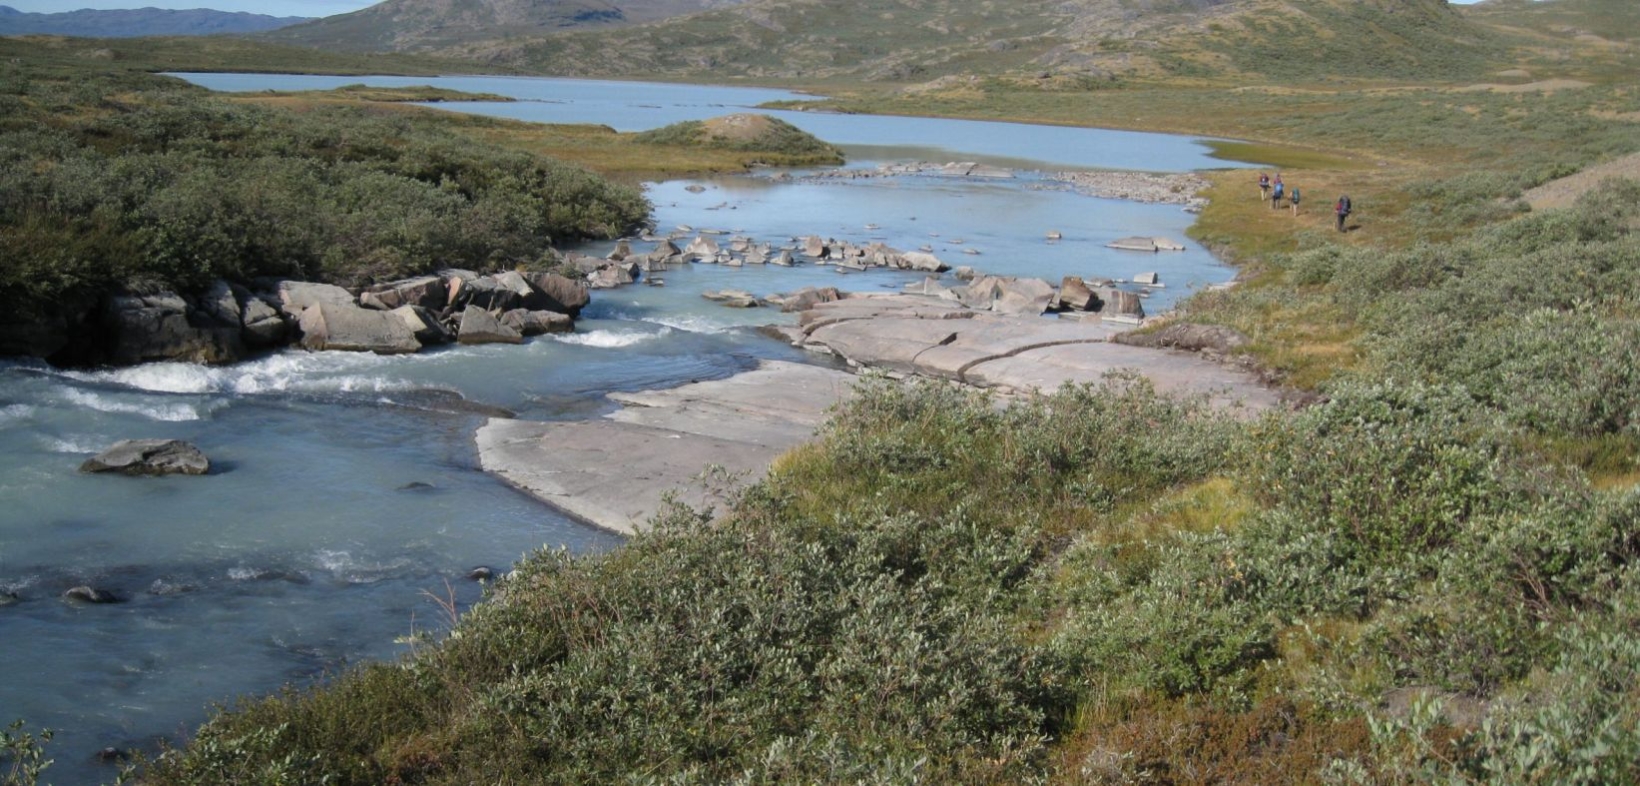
930,337
613,472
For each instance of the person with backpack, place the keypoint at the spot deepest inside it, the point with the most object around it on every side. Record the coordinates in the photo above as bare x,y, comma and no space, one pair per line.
1342,209
1263,186
1275,196
1293,199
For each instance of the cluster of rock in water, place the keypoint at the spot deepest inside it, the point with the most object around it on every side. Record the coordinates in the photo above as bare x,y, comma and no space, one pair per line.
229,321
1001,294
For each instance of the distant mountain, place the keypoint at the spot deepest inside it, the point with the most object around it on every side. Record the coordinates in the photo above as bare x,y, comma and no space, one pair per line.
430,25
138,22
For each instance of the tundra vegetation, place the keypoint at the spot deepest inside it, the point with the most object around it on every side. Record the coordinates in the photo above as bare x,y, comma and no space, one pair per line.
1429,575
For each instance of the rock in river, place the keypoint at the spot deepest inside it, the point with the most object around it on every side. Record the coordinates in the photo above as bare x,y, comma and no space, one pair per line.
149,457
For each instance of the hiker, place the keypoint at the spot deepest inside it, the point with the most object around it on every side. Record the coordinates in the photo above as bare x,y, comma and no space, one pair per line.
1275,196
1263,186
1343,211
1293,198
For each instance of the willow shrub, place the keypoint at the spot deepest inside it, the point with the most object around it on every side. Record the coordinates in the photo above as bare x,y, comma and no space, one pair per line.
166,183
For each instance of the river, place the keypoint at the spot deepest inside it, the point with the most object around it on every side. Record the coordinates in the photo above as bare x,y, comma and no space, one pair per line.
347,501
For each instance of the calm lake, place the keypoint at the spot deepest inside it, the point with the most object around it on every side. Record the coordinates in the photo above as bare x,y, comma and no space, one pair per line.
349,499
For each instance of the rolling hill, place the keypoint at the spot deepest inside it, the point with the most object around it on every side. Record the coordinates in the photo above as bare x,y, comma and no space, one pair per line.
921,40
432,25
130,23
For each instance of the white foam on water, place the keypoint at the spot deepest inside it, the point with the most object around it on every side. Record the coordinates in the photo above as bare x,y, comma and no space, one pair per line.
282,372
74,443
607,339
170,411
15,413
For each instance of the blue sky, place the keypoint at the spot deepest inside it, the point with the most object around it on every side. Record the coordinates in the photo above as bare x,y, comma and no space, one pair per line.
271,7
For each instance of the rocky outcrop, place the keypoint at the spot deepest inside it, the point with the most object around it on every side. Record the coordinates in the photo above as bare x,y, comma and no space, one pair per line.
225,322
149,457
940,338
165,326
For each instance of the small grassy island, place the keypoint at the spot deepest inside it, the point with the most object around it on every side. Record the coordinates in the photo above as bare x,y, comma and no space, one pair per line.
1429,573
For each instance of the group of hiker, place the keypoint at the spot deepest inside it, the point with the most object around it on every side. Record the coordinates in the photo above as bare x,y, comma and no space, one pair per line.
1275,190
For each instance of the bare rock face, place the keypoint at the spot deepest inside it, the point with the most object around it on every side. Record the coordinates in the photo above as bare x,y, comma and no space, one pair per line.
149,457
355,329
163,326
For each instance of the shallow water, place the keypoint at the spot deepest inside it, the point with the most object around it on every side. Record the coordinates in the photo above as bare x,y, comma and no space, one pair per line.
346,494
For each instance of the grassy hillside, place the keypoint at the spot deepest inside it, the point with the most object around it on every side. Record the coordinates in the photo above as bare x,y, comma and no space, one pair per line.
424,25
918,40
212,53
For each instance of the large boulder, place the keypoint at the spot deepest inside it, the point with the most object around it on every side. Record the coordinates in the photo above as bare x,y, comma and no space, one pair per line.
149,457
554,292
478,326
922,261
351,328
535,323
425,291
163,326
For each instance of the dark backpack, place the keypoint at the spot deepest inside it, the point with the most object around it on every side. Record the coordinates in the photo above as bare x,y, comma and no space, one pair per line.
1344,205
